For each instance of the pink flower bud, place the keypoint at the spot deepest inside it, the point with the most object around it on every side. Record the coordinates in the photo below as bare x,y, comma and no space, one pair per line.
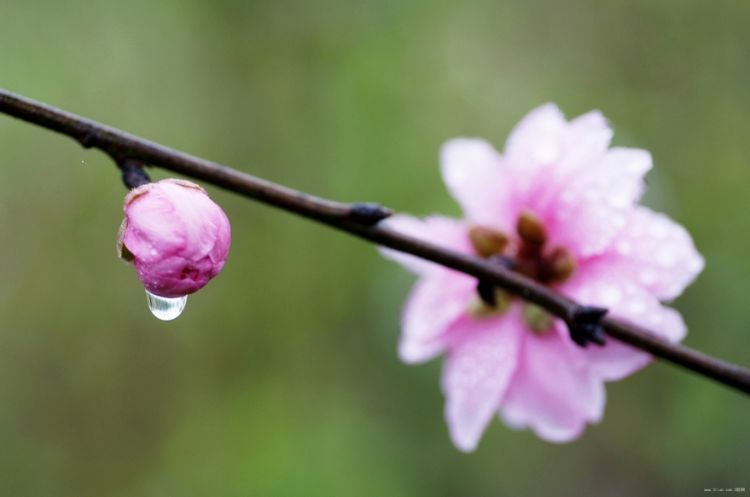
175,235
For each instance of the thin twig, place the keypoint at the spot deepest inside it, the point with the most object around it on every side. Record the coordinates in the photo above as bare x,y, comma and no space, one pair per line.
133,173
358,219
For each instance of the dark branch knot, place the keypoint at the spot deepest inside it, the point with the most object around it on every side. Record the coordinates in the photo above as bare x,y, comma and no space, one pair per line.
88,139
585,325
369,213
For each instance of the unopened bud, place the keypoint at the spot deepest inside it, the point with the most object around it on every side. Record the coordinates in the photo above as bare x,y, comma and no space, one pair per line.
176,237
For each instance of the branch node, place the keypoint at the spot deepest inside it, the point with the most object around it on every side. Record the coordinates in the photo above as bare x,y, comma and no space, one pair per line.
368,213
88,140
585,325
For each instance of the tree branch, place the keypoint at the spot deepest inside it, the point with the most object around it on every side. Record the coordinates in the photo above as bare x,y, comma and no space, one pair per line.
361,220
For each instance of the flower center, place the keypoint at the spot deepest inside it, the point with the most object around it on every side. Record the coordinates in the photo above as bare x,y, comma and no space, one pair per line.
529,254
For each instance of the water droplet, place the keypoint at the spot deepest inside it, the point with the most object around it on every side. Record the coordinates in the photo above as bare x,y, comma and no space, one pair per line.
165,308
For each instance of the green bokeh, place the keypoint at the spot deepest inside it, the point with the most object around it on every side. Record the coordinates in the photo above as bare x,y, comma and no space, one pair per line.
282,378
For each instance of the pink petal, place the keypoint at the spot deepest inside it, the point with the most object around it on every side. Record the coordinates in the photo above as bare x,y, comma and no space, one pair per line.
564,173
596,285
474,175
588,210
477,373
586,140
446,232
550,393
656,253
544,142
153,226
616,360
536,141
435,303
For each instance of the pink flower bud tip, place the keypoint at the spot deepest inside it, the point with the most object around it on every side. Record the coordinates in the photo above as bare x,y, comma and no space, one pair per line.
175,235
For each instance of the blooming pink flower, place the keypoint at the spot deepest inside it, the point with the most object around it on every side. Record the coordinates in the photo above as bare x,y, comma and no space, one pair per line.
562,205
177,238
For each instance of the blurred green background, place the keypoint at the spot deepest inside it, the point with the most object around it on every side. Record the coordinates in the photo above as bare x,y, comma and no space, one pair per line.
281,377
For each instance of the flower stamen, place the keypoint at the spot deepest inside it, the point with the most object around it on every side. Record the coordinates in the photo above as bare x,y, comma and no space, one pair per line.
558,266
537,319
479,307
487,241
527,255
531,229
